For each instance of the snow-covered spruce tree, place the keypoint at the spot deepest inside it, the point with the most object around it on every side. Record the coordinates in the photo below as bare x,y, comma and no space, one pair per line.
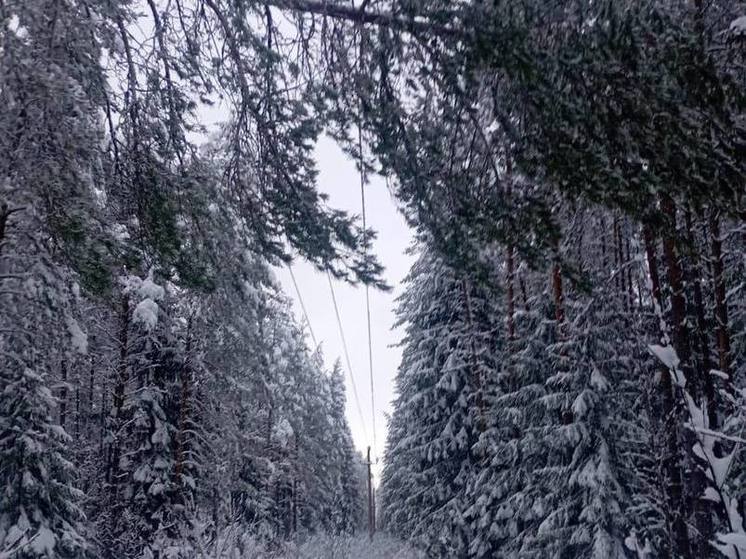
554,483
272,472
452,338
49,149
576,481
503,507
41,514
287,419
149,482
346,506
40,507
301,437
317,469
148,461
638,423
238,405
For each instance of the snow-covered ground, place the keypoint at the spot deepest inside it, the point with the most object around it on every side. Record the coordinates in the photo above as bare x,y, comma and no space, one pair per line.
323,547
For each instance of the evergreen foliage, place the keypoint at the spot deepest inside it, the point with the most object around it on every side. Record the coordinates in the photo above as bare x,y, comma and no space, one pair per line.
572,381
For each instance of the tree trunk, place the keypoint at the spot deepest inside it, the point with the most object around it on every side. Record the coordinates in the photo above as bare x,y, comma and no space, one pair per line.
721,307
628,259
524,293
694,382
91,410
5,213
63,394
121,371
672,458
675,277
77,410
558,297
183,407
102,416
705,362
602,236
120,384
476,375
511,293
621,284
510,257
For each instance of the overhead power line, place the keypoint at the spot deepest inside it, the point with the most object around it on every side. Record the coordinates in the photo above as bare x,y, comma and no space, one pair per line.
367,292
347,357
302,306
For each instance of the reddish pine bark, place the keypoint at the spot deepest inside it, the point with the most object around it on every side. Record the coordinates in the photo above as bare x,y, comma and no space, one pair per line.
673,455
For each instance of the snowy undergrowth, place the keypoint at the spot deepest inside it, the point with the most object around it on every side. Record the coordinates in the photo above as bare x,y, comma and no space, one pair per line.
326,547
321,547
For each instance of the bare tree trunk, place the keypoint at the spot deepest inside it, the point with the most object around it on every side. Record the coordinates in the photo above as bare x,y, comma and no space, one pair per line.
672,458
524,293
476,375
91,413
184,406
269,425
705,364
121,373
650,255
721,307
510,257
77,411
63,394
5,213
120,384
675,277
621,284
694,380
627,260
511,293
602,237
102,416
558,297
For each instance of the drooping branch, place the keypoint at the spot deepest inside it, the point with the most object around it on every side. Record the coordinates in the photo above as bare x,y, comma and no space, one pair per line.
415,25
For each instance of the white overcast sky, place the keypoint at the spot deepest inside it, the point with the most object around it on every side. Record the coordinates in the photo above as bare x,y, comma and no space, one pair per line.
338,177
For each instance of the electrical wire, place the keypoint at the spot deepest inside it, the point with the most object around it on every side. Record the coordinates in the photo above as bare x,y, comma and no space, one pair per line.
367,291
302,306
347,357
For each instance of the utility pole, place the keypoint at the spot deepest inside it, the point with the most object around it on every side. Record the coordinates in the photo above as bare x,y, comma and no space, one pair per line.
371,501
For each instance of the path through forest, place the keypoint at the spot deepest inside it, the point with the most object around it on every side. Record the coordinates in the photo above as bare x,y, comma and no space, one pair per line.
322,547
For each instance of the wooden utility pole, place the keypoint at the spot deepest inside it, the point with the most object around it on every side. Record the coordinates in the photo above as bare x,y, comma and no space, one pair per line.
371,501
